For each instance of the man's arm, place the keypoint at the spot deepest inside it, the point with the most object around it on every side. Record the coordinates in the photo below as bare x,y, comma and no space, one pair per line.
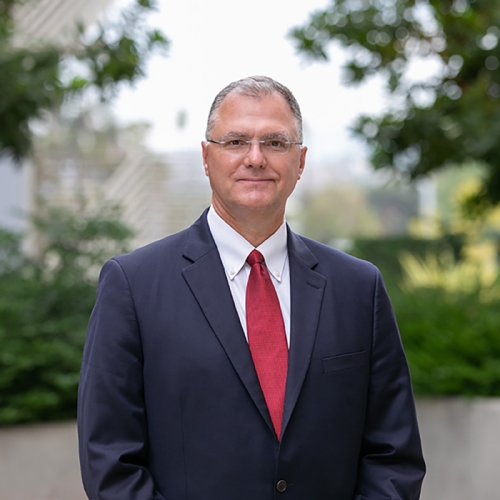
112,424
391,462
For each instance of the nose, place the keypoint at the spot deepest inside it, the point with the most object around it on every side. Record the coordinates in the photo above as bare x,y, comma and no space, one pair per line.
254,157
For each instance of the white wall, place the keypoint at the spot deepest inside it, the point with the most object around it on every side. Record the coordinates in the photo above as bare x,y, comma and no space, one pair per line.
461,440
40,462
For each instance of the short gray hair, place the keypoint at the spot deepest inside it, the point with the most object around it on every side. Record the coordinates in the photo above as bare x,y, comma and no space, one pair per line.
255,87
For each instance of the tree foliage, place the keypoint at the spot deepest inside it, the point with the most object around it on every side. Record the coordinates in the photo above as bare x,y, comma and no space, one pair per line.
448,118
44,310
41,76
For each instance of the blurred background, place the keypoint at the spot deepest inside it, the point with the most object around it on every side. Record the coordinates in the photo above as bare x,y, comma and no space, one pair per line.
103,106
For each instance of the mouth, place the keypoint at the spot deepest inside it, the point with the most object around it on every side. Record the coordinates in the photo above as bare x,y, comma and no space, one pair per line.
253,180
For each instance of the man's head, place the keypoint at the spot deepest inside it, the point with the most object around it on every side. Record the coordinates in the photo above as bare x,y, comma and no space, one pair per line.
253,154
255,87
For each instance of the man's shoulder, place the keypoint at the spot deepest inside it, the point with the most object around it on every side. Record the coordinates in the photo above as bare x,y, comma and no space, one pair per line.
329,258
171,249
160,249
165,257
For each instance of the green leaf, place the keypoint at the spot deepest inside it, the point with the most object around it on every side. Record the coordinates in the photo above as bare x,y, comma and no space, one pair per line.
449,119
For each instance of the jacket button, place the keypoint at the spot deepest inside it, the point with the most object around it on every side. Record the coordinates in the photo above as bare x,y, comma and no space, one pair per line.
281,485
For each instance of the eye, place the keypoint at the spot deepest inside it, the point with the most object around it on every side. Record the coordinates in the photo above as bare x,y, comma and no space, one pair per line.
275,144
234,144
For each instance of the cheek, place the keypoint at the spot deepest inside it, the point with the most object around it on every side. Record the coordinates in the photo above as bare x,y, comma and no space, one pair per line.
218,174
292,175
224,171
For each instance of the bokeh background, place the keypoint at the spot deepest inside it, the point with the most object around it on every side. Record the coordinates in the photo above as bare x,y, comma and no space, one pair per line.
103,106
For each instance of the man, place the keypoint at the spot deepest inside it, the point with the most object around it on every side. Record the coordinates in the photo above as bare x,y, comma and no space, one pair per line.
207,376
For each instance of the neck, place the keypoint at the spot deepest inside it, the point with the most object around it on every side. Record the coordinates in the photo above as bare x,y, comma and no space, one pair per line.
255,226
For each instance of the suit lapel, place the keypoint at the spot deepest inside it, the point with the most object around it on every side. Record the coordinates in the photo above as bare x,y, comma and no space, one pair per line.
208,283
306,289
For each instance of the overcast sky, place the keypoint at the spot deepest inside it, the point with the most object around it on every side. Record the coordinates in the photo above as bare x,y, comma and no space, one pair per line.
216,42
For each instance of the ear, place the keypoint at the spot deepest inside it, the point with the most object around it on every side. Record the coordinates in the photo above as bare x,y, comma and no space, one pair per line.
302,160
204,152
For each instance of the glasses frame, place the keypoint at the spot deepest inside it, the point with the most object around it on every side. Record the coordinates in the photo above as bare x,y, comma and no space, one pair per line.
248,142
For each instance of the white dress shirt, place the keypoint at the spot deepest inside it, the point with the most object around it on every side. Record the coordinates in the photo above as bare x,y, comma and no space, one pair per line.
234,250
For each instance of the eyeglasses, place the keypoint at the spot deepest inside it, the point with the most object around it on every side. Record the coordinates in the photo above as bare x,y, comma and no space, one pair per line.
270,146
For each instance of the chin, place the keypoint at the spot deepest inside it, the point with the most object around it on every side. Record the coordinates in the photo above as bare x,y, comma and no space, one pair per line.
257,204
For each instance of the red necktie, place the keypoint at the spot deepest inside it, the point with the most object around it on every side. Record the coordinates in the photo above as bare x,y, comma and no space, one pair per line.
266,337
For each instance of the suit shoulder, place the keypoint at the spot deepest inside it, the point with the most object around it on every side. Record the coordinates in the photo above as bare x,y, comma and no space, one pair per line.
154,253
328,256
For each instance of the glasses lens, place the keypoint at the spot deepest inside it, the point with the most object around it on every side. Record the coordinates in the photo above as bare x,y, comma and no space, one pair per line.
235,146
269,146
275,146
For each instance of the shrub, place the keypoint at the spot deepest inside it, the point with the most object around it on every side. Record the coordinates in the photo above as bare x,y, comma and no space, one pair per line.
385,252
44,308
452,343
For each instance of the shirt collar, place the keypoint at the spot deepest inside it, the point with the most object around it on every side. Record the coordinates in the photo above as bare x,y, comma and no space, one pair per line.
234,248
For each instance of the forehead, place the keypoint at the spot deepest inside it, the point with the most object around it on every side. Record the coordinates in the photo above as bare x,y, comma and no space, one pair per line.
253,115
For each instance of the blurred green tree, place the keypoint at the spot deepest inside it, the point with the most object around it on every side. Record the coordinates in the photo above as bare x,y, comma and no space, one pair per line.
44,309
42,76
450,117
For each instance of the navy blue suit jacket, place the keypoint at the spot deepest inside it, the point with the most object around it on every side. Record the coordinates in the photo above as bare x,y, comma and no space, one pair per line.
170,406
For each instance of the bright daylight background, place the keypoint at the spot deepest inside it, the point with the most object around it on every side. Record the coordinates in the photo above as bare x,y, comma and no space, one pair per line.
214,43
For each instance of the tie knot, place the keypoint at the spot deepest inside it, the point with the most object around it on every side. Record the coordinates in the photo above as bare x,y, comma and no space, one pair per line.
255,257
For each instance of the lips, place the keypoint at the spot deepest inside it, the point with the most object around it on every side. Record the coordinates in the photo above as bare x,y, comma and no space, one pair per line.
256,180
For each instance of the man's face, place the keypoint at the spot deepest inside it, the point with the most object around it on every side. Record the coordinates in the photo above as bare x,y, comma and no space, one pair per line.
253,182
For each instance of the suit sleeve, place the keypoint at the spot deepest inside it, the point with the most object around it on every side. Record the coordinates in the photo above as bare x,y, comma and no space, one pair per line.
391,461
112,427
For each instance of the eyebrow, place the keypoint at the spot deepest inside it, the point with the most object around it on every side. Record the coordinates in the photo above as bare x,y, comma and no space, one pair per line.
242,135
276,135
234,135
